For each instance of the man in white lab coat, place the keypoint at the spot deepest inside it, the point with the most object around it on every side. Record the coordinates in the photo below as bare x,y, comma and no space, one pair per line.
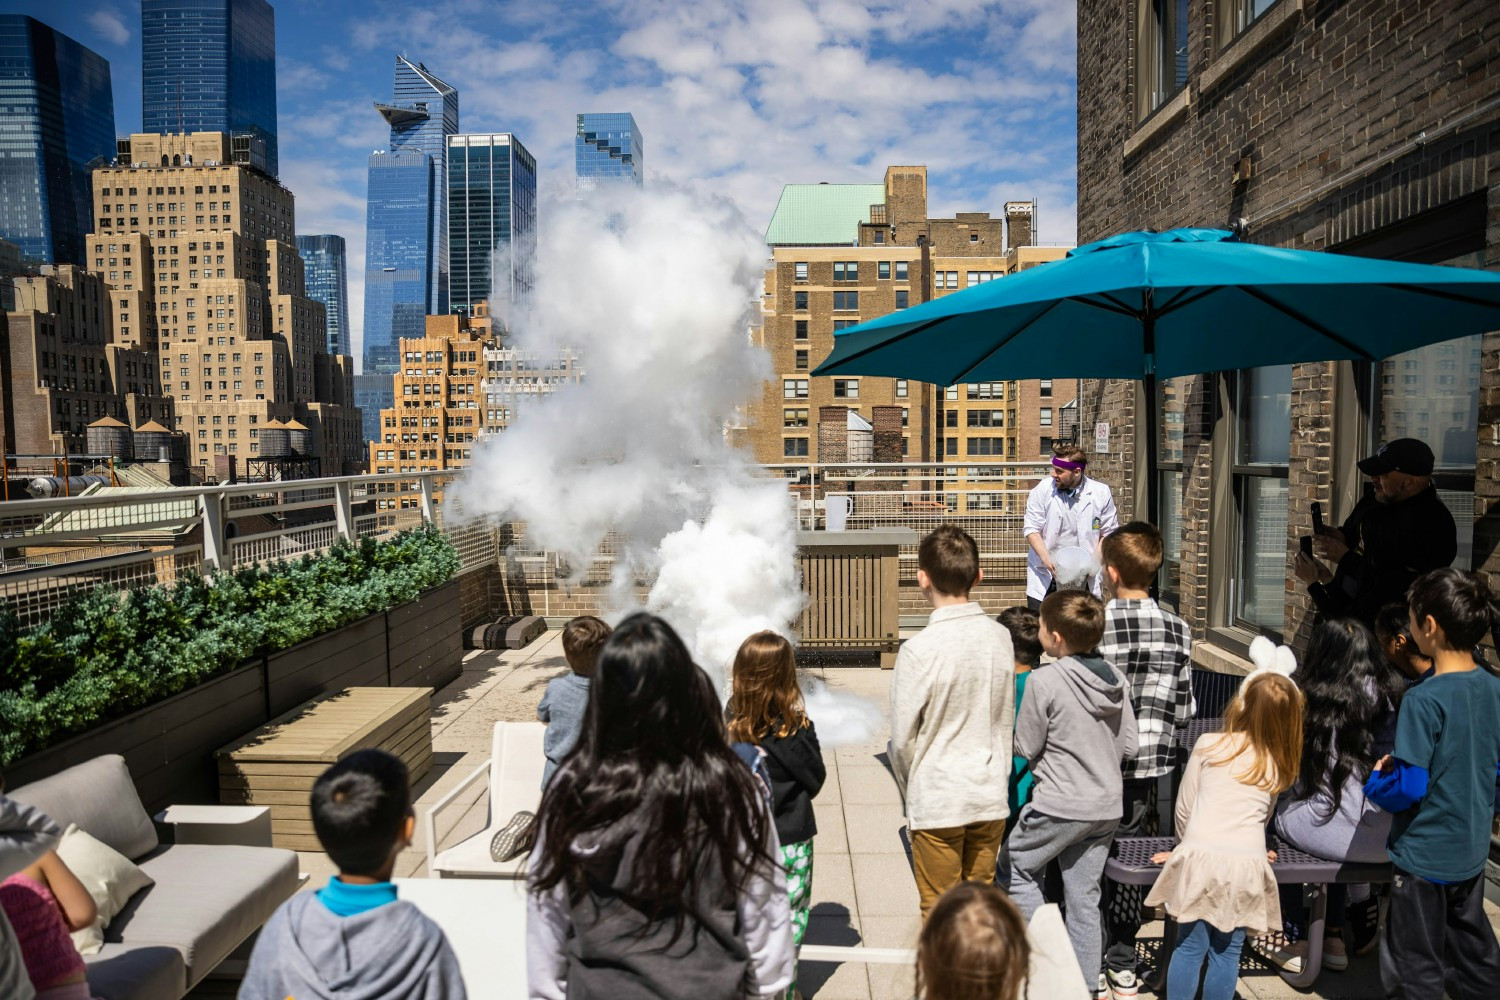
1069,509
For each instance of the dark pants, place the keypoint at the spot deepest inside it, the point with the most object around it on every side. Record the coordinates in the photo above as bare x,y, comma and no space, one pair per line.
1121,904
1437,938
1035,603
1294,907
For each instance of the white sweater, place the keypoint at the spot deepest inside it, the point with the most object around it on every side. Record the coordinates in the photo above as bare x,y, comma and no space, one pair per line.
952,712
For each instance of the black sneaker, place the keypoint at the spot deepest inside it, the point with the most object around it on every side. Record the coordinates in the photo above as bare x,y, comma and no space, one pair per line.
514,838
1362,925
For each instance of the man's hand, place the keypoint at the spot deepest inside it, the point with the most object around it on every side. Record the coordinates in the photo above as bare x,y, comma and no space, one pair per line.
1330,545
1309,570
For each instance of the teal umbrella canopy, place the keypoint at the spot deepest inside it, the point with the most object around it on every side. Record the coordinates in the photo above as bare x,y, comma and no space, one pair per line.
1156,305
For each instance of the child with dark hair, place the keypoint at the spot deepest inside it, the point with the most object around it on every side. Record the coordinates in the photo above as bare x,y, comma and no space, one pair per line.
656,871
1023,625
1393,632
566,697
1441,783
354,938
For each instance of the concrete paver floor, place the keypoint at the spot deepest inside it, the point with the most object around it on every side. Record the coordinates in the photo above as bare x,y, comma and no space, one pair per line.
863,889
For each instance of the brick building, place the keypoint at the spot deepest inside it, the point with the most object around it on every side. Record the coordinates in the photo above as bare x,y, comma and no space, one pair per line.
844,253
1369,128
200,258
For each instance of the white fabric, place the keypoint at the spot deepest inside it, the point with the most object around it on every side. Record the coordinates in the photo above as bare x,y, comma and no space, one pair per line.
109,876
1053,973
1046,515
516,766
953,696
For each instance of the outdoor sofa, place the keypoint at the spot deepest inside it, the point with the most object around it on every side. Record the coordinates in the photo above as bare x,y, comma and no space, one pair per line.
207,900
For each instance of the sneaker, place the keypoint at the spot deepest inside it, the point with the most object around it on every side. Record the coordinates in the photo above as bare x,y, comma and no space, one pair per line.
1286,957
1335,957
1363,925
514,838
1101,992
1123,984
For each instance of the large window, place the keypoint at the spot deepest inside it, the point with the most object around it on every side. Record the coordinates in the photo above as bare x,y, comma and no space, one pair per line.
1262,450
794,447
1161,66
1171,414
1232,17
846,301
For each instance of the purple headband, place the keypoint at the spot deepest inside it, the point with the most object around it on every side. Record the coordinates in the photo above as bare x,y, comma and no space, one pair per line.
1065,464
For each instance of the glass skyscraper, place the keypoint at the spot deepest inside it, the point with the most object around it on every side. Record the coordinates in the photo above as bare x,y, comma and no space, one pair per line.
325,266
608,148
210,66
406,230
59,123
491,221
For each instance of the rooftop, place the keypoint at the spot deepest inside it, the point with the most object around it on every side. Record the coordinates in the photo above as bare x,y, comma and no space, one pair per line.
822,214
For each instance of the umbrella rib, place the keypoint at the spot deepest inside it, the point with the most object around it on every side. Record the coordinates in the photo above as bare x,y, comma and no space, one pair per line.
1451,296
1011,336
1122,308
1311,324
888,342
1187,297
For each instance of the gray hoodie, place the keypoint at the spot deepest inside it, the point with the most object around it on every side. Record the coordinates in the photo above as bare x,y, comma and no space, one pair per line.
1075,726
309,952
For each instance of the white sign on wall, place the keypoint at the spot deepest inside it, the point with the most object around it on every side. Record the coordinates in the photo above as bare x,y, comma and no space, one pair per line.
1101,438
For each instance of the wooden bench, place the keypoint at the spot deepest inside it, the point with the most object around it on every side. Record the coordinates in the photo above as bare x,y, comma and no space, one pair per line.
1130,864
277,764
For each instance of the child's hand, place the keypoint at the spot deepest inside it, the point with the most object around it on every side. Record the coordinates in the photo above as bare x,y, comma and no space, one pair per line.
1385,764
1271,857
1160,857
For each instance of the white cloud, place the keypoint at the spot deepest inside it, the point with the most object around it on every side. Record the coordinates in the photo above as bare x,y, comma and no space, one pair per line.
108,23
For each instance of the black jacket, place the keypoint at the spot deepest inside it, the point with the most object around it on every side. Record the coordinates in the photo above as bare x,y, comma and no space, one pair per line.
1390,545
797,773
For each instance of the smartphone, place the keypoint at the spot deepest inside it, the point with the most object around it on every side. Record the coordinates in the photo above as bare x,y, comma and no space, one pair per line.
1307,548
1317,514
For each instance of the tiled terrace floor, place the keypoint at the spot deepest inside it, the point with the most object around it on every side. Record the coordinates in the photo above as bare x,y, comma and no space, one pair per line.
862,881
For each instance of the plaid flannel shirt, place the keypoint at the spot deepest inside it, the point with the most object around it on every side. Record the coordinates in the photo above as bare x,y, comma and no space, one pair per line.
1153,649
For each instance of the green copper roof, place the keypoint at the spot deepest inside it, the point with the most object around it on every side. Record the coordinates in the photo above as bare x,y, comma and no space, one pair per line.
822,214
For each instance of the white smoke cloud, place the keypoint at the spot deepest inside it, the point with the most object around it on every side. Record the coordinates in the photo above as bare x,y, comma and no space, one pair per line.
655,291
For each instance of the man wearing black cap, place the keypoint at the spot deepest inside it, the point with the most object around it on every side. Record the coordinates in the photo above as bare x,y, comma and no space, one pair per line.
1396,533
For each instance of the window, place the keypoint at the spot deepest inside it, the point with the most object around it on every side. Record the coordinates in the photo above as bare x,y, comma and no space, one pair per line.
883,270
986,418
901,388
794,417
801,360
1045,389
846,388
844,324
879,236
794,388
794,447
846,270
1044,416
799,301
1172,424
950,418
950,446
951,392
902,298
1044,449
986,390
900,270
1232,17
1262,449
1161,65
905,416
945,279
799,269
987,446
846,301
801,327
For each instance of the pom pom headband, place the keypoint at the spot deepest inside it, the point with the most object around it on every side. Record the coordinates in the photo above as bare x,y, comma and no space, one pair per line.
1063,463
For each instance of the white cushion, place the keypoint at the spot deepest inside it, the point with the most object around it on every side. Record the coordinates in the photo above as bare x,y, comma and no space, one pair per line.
109,876
472,858
517,763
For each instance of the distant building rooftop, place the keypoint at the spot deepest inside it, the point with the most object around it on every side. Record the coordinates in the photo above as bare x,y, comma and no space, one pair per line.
822,214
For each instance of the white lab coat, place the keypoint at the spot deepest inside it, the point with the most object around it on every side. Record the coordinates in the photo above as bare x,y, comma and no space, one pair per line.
1093,514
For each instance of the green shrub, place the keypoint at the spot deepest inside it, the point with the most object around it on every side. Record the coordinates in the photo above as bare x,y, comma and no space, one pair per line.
105,653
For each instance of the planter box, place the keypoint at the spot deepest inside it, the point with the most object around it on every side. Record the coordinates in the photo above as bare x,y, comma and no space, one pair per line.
168,746
352,656
425,639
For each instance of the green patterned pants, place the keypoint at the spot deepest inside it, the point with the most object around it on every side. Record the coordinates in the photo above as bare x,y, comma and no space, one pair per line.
797,860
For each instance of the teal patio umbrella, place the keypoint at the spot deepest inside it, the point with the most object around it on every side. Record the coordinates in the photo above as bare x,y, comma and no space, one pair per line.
1155,305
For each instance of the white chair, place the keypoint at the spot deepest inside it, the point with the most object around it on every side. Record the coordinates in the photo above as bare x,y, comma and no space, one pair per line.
515,771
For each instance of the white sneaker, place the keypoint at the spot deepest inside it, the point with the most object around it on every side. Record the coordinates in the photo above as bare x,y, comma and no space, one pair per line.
1101,992
1123,984
1286,957
1335,956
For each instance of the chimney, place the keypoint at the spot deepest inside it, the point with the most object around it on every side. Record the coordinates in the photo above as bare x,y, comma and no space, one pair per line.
833,434
1020,223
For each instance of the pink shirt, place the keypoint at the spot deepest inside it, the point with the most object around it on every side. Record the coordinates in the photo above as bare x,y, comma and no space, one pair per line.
40,929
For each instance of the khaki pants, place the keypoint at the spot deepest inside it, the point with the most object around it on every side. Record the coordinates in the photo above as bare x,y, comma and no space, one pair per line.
945,857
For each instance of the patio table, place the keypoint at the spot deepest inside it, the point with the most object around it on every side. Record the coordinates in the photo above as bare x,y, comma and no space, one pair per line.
485,922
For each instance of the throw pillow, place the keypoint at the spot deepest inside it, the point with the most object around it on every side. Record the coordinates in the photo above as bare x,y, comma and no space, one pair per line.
109,876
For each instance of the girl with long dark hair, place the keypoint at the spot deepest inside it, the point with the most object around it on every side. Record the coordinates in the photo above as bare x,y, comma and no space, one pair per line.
656,869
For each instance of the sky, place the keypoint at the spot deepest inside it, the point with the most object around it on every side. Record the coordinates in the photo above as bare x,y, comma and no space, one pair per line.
734,98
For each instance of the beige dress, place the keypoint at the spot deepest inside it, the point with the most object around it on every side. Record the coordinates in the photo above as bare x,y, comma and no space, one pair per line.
1219,872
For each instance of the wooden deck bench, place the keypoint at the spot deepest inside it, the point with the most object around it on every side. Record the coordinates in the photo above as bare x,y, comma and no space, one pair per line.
277,764
1130,864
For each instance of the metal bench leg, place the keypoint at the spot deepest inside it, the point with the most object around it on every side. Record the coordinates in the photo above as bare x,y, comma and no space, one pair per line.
1314,963
1157,983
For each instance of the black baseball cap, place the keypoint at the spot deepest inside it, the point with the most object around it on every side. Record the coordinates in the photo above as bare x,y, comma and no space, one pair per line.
1406,455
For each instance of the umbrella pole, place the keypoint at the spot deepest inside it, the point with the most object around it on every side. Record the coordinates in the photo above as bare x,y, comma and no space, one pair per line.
1153,486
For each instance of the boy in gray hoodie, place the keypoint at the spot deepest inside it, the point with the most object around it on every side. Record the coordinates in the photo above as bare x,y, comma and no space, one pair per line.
353,939
1075,727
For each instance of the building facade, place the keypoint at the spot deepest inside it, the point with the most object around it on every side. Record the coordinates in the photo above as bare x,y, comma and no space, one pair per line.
1284,119
59,125
207,275
326,267
491,222
210,66
845,253
608,148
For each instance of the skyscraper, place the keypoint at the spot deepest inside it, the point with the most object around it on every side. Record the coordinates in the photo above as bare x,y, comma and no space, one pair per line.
328,282
210,66
406,226
491,221
608,148
59,124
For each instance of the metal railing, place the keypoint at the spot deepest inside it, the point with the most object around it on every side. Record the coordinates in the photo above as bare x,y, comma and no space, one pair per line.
53,548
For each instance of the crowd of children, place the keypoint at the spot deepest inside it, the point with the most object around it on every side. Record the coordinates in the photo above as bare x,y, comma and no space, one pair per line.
663,866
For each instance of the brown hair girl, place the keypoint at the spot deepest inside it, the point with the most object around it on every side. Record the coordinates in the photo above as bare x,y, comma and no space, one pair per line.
765,698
